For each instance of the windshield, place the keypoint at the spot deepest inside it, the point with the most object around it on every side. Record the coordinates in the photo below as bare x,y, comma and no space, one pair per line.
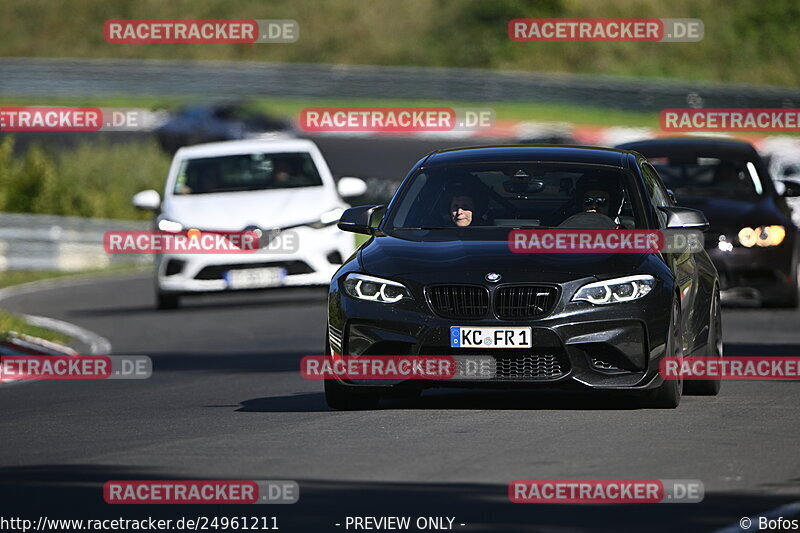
708,176
503,196
246,172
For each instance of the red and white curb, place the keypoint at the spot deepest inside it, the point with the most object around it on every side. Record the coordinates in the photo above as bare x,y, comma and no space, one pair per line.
27,345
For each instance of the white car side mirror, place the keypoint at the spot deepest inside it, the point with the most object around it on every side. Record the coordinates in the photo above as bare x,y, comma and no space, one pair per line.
148,200
350,187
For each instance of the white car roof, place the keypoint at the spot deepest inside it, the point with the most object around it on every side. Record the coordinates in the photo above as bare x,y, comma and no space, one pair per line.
246,147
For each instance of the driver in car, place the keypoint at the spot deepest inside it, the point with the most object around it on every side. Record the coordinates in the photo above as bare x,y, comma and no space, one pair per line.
462,207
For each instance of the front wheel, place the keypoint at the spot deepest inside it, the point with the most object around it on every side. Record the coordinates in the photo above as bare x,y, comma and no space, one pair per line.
167,301
668,395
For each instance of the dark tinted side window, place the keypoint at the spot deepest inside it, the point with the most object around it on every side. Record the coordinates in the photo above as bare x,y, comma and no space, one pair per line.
658,194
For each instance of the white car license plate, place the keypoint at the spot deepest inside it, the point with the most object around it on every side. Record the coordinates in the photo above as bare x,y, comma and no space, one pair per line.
253,278
469,337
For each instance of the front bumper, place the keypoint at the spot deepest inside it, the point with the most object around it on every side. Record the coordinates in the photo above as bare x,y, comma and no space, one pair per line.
754,274
318,256
578,345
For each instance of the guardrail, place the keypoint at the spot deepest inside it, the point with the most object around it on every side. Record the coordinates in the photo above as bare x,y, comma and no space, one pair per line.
47,242
84,77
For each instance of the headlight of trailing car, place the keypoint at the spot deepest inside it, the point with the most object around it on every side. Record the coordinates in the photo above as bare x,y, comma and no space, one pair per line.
171,226
374,289
762,236
615,290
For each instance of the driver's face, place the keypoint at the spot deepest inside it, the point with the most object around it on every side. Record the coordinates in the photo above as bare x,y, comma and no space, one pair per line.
596,202
461,209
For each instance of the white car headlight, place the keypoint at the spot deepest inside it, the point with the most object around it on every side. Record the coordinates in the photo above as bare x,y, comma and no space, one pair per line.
169,225
328,218
616,290
375,289
332,216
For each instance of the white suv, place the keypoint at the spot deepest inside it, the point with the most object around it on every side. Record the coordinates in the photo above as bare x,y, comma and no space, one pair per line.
271,187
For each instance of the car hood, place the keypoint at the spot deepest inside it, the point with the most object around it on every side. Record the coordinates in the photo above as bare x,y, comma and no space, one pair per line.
234,211
725,214
470,260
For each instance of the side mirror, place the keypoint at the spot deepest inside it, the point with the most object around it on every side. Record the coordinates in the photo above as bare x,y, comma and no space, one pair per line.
361,219
350,187
685,218
148,200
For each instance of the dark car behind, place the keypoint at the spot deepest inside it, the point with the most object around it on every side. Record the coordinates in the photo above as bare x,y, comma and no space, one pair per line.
752,240
216,122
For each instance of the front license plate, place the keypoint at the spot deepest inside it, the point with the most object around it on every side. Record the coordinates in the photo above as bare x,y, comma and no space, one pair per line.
469,337
253,278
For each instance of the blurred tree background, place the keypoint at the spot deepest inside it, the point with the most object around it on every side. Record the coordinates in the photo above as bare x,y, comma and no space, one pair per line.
92,180
750,41
745,41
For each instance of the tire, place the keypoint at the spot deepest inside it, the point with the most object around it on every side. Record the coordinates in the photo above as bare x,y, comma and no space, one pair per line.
792,299
167,301
338,397
710,387
668,394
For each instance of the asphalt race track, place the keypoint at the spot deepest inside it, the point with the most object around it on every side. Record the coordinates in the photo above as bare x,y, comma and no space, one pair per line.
226,401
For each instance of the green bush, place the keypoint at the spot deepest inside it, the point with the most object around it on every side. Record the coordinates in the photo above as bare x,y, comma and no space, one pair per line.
93,180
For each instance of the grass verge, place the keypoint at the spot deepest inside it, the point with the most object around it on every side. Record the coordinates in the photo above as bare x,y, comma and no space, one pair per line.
15,277
10,323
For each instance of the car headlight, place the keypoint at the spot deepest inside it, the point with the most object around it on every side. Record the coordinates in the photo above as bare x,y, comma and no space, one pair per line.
374,289
328,218
762,236
616,290
169,225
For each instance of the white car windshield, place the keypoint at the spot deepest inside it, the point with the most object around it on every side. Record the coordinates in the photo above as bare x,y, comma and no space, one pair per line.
246,172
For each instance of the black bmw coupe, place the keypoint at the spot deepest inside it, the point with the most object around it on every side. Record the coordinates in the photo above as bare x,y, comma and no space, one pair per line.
438,273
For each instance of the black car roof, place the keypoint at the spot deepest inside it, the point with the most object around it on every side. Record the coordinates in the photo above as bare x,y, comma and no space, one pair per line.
709,146
527,152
